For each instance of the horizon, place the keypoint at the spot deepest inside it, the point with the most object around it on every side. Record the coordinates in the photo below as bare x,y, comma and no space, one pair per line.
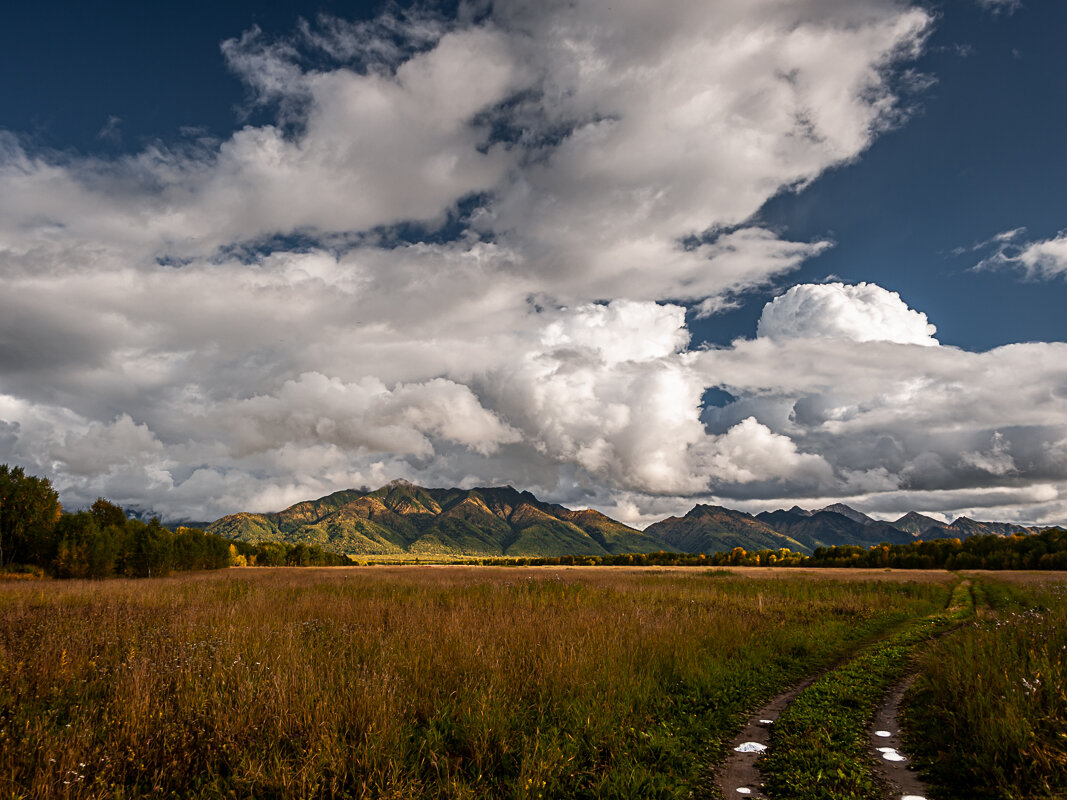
631,259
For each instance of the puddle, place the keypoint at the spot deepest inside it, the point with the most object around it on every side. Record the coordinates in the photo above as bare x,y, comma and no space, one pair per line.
890,754
750,747
741,768
893,765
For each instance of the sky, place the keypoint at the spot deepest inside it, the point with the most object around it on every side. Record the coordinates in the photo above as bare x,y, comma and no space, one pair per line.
624,255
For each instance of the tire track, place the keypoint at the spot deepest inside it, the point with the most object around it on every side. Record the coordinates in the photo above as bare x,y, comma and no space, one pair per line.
894,766
739,776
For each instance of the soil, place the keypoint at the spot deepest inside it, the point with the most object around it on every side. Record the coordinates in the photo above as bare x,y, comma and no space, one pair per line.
898,775
741,770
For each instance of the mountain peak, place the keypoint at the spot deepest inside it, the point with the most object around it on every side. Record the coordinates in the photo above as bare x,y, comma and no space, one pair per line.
848,511
703,509
708,529
916,524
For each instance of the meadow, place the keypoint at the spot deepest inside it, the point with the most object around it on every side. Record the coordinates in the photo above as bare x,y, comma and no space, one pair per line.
414,682
987,715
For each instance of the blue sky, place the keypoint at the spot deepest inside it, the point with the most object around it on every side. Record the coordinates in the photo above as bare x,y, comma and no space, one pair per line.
251,259
982,153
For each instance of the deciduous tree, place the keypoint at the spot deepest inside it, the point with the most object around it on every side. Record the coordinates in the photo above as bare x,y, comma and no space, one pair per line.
29,509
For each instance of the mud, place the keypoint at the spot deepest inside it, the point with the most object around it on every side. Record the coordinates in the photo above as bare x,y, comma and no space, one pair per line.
893,763
740,775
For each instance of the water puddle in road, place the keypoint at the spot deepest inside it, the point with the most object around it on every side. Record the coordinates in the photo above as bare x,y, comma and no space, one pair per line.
740,774
750,747
886,744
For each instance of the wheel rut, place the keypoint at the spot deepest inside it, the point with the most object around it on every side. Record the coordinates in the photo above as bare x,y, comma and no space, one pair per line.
893,764
739,776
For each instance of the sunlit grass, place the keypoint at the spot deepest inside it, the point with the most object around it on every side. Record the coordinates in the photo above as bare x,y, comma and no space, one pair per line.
408,682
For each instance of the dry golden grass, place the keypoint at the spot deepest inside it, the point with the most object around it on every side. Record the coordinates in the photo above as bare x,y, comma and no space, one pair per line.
935,576
1023,577
410,681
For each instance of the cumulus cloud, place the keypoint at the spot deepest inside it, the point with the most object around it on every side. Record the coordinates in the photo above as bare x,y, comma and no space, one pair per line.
750,452
996,460
362,417
655,330
599,137
463,252
371,150
605,390
680,120
897,422
862,313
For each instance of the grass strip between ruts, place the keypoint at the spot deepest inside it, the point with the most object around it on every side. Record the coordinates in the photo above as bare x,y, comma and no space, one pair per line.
819,748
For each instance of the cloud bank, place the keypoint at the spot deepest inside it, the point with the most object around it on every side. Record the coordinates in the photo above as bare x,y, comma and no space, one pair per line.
463,253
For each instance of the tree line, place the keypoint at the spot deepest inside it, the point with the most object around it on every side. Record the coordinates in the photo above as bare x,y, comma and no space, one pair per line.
35,533
1040,551
1044,550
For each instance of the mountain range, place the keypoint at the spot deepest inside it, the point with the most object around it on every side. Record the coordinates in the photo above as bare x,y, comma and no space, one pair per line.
402,518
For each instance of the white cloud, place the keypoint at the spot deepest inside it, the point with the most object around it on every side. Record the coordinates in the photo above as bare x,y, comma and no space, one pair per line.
896,421
371,150
621,330
164,343
682,119
365,417
1039,260
603,389
102,447
862,313
750,452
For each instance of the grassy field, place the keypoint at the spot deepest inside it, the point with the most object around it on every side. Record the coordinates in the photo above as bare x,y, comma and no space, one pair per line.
821,748
412,682
987,716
